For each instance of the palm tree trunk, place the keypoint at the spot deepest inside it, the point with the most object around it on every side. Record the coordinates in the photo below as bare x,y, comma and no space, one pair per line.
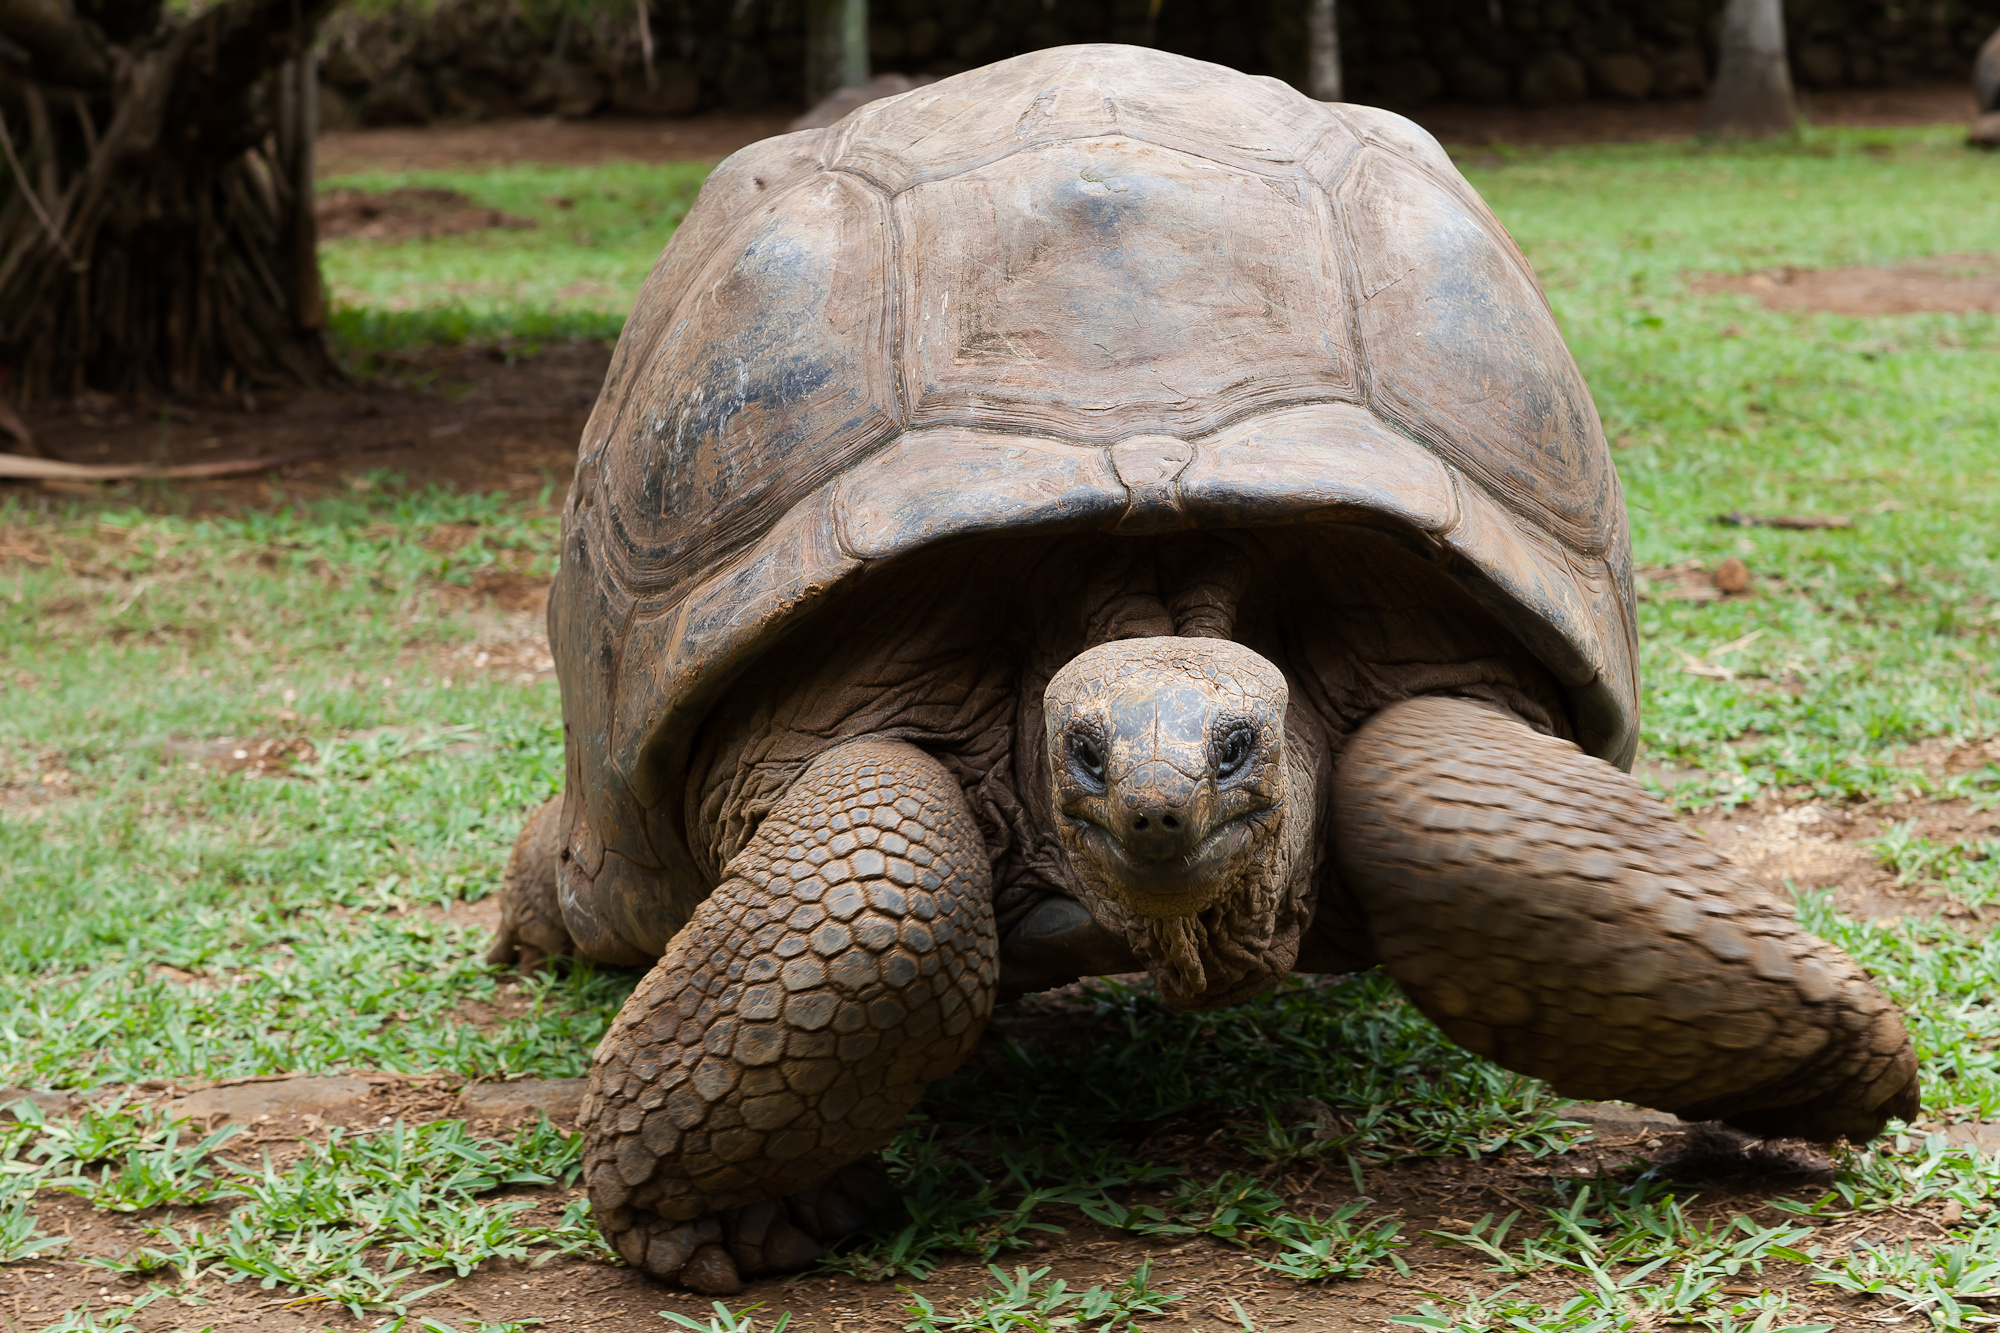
156,205
1752,96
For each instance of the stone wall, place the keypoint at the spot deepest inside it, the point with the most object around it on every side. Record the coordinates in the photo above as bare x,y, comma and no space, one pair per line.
466,59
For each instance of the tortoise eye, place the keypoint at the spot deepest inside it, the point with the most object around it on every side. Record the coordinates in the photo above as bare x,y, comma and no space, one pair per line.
1235,753
1087,757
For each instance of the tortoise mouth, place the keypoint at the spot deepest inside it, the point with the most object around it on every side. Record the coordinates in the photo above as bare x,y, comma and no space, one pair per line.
1171,886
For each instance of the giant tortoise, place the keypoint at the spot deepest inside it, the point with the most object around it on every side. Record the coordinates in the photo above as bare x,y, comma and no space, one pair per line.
1105,512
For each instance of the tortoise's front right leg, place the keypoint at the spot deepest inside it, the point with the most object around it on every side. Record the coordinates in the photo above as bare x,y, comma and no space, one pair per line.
847,959
1546,912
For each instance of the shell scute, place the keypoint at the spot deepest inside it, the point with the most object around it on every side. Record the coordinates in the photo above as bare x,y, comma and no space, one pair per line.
934,484
1100,288
1069,94
775,370
1319,463
1465,357
760,173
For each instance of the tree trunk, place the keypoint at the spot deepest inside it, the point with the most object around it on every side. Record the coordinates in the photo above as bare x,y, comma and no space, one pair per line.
1323,50
156,201
836,47
1752,96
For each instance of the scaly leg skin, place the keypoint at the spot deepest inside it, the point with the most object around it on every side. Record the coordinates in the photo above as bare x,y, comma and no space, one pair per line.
1545,912
531,921
847,959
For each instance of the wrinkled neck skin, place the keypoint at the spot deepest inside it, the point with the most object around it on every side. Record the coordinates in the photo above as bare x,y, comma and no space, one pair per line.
1218,918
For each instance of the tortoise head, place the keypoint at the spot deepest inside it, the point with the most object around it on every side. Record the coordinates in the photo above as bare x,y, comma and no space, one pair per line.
1168,772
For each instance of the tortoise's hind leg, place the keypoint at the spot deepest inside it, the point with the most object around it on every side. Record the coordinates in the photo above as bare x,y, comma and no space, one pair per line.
847,959
1546,912
531,921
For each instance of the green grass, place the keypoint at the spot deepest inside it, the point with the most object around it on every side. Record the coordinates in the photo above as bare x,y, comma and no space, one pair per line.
160,918
356,1222
184,922
1867,638
1967,871
1026,1302
575,273
1342,1071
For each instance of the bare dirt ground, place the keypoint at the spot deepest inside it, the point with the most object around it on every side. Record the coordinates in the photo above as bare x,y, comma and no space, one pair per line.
1638,122
405,214
1208,1274
462,417
1953,283
1826,846
563,142
720,133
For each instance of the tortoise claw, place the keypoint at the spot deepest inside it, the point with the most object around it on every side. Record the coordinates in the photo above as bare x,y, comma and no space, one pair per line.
714,1254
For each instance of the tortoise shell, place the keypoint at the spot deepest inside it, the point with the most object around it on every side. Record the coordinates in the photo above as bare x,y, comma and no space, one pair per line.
1089,288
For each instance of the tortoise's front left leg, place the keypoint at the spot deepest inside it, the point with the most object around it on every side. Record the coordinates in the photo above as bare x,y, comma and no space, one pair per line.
847,959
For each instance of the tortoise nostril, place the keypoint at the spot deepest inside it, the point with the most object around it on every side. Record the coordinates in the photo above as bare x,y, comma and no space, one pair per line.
1169,821
1140,822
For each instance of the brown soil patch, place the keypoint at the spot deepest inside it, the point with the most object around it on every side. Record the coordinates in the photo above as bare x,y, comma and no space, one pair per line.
33,783
1693,581
1816,846
409,213
264,756
1813,846
512,592
1953,284
512,643
1212,1278
459,417
1949,756
1638,122
717,134
569,143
